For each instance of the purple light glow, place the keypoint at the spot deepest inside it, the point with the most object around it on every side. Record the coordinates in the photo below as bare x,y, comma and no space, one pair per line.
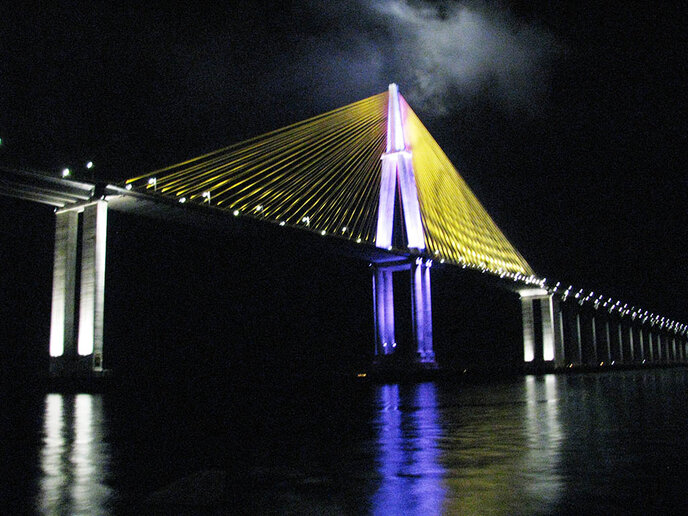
408,454
397,162
385,212
383,299
409,199
395,129
422,311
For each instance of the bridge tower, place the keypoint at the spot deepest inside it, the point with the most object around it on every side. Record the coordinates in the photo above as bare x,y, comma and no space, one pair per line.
76,324
397,168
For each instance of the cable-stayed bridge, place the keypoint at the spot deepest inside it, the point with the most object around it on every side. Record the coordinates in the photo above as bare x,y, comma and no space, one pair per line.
369,179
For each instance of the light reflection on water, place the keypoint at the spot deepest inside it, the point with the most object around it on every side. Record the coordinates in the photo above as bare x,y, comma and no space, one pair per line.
488,451
545,440
74,458
533,445
408,460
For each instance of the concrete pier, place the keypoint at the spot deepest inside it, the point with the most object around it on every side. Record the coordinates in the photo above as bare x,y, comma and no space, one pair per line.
78,353
593,335
421,312
542,329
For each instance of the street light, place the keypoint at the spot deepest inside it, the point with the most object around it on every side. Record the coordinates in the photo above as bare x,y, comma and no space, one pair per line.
66,172
206,195
89,164
153,181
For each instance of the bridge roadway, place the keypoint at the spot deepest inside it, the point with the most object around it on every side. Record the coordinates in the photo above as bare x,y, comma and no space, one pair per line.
64,194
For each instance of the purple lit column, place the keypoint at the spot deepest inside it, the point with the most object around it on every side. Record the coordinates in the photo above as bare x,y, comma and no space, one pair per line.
409,199
422,310
385,213
383,299
396,161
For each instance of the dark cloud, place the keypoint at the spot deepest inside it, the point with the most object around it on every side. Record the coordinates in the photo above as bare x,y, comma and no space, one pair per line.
440,55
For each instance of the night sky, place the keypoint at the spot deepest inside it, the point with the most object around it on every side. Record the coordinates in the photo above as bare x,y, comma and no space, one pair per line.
563,117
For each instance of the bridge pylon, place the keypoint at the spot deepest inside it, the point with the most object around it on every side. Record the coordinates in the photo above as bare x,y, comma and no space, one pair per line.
397,170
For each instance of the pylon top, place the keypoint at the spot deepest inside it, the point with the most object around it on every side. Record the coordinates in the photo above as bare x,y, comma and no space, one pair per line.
395,126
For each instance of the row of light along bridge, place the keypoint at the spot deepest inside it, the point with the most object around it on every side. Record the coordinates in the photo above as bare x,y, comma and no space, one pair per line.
564,328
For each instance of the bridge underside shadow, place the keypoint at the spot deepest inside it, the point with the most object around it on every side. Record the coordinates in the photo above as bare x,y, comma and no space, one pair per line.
258,304
188,302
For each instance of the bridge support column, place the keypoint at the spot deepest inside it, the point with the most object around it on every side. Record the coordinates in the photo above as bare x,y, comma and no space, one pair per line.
422,310
595,345
631,343
578,334
641,342
383,300
545,344
608,342
78,353
62,323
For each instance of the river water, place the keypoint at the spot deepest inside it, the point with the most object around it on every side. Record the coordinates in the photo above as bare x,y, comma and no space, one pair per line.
614,442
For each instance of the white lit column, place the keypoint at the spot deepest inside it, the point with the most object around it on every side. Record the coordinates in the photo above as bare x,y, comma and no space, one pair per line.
552,331
528,329
595,351
579,338
64,284
608,340
642,344
92,299
631,344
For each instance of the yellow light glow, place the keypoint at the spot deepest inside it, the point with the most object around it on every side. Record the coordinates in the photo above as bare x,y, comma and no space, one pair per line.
323,174
456,225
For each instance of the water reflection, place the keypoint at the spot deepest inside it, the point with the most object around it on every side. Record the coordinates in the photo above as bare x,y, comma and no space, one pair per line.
489,451
74,458
408,454
545,438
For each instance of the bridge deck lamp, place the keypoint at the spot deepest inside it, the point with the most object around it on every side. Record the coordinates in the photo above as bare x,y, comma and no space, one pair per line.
153,181
206,195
